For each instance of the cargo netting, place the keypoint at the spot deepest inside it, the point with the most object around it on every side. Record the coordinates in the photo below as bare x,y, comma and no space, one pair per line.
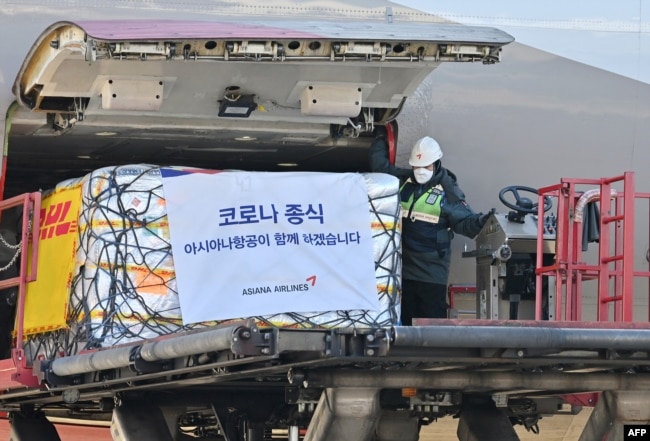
124,288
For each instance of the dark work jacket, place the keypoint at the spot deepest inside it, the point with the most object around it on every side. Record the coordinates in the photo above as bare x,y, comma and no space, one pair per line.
426,246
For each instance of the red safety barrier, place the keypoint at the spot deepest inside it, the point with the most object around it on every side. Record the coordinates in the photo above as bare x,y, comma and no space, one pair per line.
16,371
613,269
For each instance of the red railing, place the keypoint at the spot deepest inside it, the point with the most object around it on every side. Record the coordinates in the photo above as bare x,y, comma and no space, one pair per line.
16,370
614,268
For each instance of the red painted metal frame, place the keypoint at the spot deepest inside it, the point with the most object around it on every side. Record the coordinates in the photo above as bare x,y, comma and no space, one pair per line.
16,371
615,250
584,400
459,289
391,140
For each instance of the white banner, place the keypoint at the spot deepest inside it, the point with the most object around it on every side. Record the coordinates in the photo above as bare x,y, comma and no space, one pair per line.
256,243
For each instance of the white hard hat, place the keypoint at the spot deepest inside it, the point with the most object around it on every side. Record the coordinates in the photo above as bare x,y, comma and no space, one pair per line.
425,152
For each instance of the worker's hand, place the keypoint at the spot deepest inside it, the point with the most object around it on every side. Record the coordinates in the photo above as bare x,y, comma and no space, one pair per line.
484,217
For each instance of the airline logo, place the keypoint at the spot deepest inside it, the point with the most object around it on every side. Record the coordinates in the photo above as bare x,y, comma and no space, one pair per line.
57,220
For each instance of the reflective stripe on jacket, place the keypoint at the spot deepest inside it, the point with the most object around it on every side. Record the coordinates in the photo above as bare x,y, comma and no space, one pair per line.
425,228
426,208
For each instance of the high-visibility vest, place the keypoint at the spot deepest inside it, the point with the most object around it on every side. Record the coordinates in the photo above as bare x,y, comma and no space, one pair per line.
426,208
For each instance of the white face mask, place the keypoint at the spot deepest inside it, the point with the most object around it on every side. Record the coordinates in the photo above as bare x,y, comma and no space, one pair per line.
422,175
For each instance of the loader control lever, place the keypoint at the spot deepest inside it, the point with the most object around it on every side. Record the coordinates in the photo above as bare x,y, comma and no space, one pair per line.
522,205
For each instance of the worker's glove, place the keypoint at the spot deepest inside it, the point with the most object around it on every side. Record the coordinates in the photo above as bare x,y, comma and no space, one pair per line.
484,217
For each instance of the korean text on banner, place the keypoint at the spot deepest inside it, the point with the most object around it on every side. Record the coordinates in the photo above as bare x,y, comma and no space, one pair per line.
254,243
46,298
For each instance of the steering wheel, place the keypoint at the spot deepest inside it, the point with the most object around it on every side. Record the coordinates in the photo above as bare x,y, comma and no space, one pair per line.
523,204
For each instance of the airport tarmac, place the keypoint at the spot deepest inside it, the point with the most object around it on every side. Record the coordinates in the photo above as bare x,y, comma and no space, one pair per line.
556,428
67,432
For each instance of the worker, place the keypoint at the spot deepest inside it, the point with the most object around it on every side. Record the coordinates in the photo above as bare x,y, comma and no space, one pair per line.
433,209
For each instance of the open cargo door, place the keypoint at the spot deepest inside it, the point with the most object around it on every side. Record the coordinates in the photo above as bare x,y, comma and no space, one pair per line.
253,95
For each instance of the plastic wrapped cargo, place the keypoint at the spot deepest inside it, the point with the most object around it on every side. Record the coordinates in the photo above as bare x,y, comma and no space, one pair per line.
124,288
124,283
